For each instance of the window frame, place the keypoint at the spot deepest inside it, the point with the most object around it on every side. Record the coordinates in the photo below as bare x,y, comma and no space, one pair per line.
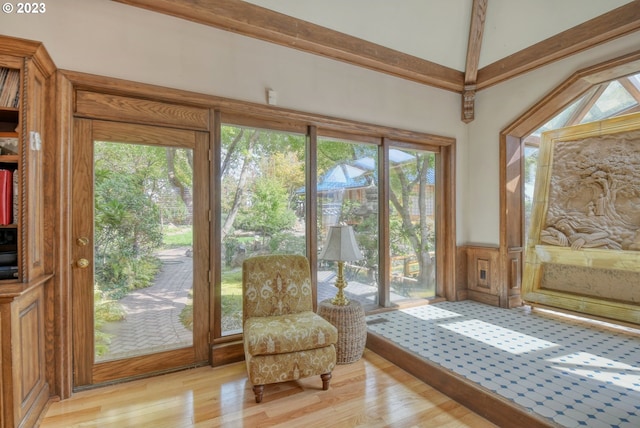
512,164
319,126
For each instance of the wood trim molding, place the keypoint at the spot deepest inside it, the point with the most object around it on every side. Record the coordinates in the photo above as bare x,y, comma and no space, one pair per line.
215,234
30,49
384,246
113,86
604,28
570,90
125,109
264,24
311,212
60,161
446,170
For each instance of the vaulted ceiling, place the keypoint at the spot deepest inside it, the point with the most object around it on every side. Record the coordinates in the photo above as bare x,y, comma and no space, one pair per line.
456,45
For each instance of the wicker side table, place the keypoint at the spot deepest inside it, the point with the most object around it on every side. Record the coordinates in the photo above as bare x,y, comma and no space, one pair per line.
352,329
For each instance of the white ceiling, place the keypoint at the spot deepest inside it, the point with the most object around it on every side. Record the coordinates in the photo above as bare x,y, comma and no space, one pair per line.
438,30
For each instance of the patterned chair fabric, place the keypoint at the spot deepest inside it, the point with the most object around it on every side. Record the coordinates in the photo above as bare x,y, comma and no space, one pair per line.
283,338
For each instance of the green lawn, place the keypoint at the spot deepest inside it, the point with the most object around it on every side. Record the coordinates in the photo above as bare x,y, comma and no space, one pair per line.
177,236
231,299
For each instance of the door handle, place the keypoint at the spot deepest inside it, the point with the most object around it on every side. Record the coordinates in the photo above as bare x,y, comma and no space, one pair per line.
82,263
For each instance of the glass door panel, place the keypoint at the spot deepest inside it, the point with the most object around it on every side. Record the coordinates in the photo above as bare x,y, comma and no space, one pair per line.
348,194
412,224
530,167
262,206
143,239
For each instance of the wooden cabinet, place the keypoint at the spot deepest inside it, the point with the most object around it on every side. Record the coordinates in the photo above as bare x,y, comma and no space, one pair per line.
25,389
23,120
25,230
10,91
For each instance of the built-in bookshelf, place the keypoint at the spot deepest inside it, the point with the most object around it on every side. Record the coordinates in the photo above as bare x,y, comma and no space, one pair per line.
26,227
9,87
9,177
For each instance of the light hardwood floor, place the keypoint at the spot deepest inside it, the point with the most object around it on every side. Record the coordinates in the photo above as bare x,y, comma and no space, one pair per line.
370,393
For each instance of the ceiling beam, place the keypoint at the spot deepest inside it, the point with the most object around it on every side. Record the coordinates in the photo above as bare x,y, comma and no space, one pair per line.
476,29
616,23
264,24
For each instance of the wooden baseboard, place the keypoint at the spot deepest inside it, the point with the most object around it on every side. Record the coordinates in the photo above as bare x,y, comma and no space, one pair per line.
226,353
515,301
475,397
486,298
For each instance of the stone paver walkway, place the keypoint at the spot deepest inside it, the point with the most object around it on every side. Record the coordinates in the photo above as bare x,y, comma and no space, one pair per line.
152,323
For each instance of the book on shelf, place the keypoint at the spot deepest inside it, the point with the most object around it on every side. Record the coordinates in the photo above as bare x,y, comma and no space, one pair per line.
9,87
8,144
6,198
14,197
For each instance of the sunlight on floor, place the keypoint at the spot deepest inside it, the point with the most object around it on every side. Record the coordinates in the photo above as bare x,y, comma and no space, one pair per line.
505,339
603,369
572,371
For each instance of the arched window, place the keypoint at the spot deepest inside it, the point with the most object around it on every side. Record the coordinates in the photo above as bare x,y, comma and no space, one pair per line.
603,101
595,93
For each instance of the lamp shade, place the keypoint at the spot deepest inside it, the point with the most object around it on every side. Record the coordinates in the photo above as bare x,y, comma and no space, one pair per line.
341,245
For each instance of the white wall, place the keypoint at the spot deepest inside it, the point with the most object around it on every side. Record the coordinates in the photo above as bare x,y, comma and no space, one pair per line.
112,39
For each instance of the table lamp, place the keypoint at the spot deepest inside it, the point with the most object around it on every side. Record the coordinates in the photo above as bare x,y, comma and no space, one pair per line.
341,246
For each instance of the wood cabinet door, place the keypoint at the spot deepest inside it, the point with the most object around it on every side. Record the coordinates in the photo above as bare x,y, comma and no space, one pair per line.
33,205
30,388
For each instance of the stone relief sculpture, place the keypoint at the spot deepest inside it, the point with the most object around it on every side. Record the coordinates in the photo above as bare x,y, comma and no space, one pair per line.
594,194
583,251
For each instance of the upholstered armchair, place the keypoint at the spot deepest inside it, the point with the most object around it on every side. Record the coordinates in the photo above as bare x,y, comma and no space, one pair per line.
283,338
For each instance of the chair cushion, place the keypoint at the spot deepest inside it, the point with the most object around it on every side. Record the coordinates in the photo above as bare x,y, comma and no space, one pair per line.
276,284
287,333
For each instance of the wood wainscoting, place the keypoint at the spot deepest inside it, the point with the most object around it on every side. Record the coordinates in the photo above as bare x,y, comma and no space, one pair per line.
481,278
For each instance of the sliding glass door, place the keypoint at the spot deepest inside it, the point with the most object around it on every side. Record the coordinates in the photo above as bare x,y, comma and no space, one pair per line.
385,190
412,223
262,206
347,193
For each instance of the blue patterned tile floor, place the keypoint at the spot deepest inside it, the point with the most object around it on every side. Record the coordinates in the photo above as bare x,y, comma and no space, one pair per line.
576,373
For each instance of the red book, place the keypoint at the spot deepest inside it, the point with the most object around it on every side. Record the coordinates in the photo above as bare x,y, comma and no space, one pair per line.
6,200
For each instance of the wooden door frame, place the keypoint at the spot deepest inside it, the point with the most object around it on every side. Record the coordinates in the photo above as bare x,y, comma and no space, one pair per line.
87,373
98,97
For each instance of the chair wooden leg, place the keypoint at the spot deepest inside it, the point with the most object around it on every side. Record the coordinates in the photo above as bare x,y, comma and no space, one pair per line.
326,377
258,390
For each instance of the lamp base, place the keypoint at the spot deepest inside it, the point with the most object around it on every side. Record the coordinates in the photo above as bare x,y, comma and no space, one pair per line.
341,284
